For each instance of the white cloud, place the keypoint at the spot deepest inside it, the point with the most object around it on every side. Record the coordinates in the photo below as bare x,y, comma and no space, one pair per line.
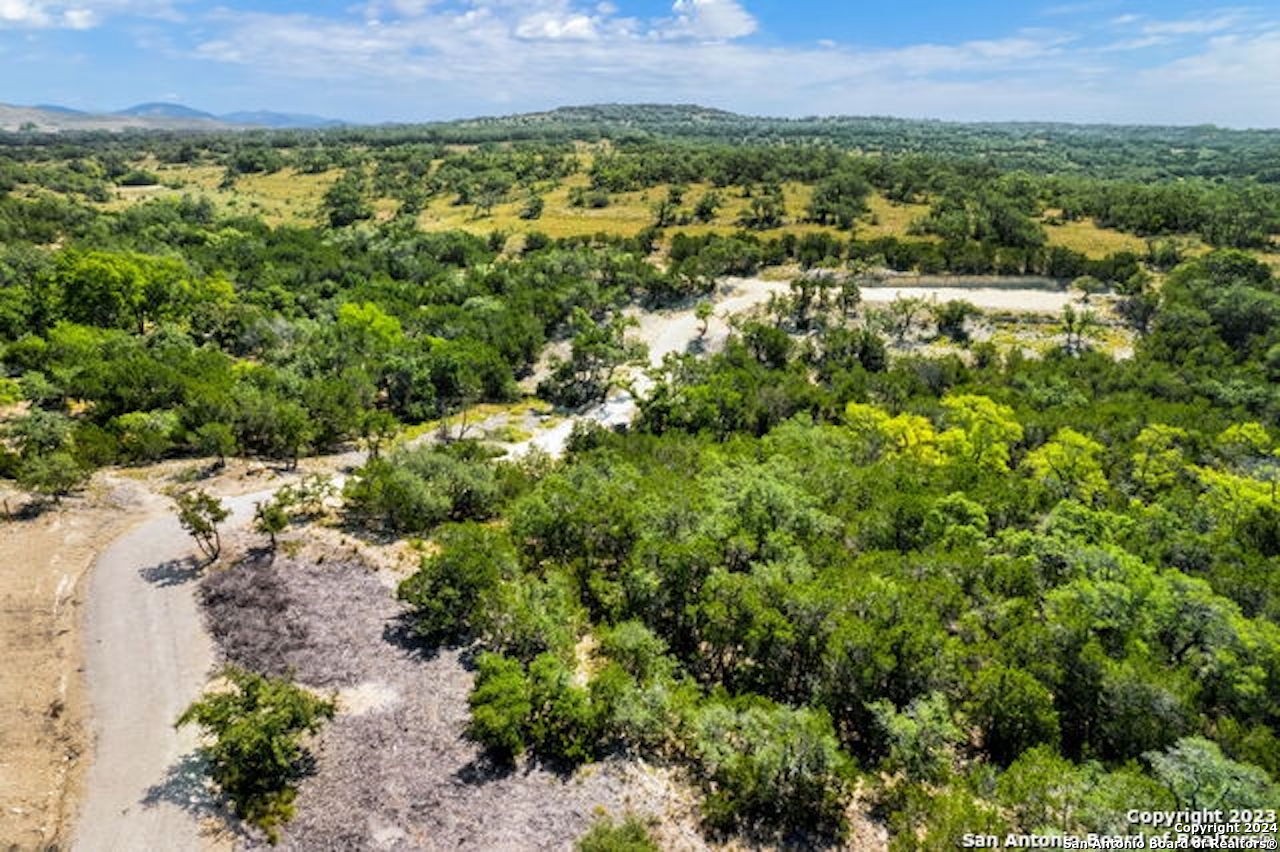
1209,23
712,20
1229,62
411,7
1139,32
1194,26
549,25
1139,43
487,54
24,13
412,59
80,19
80,15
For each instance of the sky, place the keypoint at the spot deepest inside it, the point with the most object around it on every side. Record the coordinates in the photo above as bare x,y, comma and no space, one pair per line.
1116,61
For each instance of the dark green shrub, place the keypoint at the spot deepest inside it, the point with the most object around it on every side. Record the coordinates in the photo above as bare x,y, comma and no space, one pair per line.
446,591
767,764
500,706
257,754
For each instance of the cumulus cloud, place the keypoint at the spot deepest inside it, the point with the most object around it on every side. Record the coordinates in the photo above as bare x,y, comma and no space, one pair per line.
26,13
714,20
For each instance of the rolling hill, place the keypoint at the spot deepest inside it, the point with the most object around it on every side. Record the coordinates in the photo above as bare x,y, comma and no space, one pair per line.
48,118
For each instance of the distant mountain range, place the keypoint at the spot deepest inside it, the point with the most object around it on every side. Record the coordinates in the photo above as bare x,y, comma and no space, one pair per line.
151,116
264,118
164,110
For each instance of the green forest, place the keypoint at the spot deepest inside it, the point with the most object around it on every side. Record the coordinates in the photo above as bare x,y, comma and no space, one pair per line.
954,588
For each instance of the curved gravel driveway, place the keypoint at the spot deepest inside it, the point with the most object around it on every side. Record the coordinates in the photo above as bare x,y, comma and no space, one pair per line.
147,657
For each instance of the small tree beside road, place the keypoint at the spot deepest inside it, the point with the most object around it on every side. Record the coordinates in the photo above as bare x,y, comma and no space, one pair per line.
200,512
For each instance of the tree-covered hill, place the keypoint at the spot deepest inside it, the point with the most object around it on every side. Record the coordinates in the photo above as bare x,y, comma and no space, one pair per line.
1113,151
1110,150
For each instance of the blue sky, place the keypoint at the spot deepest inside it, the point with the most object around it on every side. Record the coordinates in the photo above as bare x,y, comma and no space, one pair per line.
404,60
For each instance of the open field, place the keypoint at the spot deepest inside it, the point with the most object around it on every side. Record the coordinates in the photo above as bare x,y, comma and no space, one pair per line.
288,196
1087,237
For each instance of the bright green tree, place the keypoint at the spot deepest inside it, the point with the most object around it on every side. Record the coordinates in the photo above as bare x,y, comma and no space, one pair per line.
1069,465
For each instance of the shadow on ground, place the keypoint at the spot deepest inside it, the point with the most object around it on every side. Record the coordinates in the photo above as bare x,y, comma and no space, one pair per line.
484,770
400,631
186,786
174,572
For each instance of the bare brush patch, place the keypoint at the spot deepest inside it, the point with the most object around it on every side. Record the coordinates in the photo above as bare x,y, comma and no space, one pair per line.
395,769
251,616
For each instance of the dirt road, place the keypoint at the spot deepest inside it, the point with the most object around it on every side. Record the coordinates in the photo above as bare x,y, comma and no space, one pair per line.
986,298
147,656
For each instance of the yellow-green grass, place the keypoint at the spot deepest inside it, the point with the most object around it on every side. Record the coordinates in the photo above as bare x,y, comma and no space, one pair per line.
1085,236
282,197
508,433
288,196
475,415
630,212
889,218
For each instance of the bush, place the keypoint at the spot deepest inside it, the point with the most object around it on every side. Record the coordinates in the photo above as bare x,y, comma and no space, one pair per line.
764,763
51,475
500,706
565,724
394,498
635,647
651,717
922,739
607,835
1200,777
541,708
929,819
951,318
532,208
446,591
463,476
257,755
1014,710
413,491
215,439
527,616
146,435
138,177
